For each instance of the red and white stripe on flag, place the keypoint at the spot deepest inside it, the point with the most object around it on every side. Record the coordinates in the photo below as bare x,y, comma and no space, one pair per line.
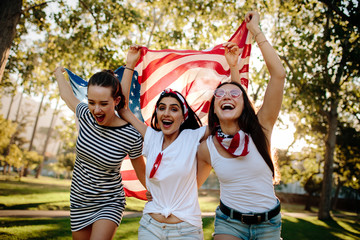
195,74
131,184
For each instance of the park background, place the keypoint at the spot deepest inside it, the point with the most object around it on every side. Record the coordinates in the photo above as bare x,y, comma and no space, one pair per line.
317,139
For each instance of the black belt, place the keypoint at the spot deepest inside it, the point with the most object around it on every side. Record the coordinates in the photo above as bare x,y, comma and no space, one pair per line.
249,218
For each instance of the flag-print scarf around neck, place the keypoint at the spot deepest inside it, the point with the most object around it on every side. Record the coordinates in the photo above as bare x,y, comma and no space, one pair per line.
236,145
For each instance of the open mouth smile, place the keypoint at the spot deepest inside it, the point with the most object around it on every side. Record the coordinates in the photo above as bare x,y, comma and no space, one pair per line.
167,123
99,117
227,106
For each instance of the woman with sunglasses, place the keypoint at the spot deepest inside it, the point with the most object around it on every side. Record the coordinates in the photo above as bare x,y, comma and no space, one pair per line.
239,151
170,146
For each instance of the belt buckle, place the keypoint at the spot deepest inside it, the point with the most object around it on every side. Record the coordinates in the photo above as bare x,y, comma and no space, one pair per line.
246,215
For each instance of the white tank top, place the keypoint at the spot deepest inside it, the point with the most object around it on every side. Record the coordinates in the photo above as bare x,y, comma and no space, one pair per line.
245,182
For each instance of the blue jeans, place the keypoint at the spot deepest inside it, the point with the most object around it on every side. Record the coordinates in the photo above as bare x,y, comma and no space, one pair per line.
267,230
150,229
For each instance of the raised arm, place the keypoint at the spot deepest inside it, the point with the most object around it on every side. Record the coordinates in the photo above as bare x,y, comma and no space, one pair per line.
131,60
270,109
232,52
65,90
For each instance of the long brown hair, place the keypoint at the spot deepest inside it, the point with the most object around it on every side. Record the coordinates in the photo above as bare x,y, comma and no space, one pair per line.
249,123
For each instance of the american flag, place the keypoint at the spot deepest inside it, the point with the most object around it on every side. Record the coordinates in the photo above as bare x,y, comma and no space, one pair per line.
193,73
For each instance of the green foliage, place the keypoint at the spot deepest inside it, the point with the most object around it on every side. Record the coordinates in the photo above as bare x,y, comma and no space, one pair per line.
65,163
90,35
67,134
299,166
14,158
7,129
321,52
347,166
31,159
67,154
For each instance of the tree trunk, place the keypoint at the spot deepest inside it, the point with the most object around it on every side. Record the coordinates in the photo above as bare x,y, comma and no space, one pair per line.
8,169
5,167
308,202
41,164
10,105
10,13
19,107
26,168
336,196
325,200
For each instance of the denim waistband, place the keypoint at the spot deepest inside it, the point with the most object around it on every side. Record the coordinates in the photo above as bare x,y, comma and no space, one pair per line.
250,218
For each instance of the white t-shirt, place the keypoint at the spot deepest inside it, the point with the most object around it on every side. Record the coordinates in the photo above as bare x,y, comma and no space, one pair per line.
245,182
174,186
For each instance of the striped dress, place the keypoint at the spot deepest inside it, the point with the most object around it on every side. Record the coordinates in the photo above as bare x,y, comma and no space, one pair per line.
96,188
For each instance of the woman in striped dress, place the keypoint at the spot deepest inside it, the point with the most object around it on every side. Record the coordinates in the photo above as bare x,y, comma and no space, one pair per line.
97,198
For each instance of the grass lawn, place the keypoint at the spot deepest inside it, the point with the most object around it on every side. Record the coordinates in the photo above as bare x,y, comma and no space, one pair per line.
34,194
293,228
48,193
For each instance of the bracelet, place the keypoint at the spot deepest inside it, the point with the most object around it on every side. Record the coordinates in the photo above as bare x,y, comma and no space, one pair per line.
260,43
257,34
129,68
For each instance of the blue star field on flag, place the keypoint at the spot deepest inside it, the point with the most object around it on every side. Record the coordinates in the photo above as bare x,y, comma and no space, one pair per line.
79,87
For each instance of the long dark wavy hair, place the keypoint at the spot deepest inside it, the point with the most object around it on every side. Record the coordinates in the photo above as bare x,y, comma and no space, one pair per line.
192,122
248,122
107,78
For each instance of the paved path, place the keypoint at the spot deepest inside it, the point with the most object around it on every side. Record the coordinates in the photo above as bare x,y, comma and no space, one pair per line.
49,214
127,214
62,214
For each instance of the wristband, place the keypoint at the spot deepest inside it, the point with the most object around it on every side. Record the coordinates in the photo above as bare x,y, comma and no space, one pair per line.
129,68
260,43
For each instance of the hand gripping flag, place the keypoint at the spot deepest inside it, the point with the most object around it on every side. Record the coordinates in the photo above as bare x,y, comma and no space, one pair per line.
195,74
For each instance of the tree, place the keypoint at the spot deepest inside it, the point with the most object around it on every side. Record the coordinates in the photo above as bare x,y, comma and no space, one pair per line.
321,52
304,167
7,129
347,164
67,153
30,159
10,12
48,135
10,152
33,134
